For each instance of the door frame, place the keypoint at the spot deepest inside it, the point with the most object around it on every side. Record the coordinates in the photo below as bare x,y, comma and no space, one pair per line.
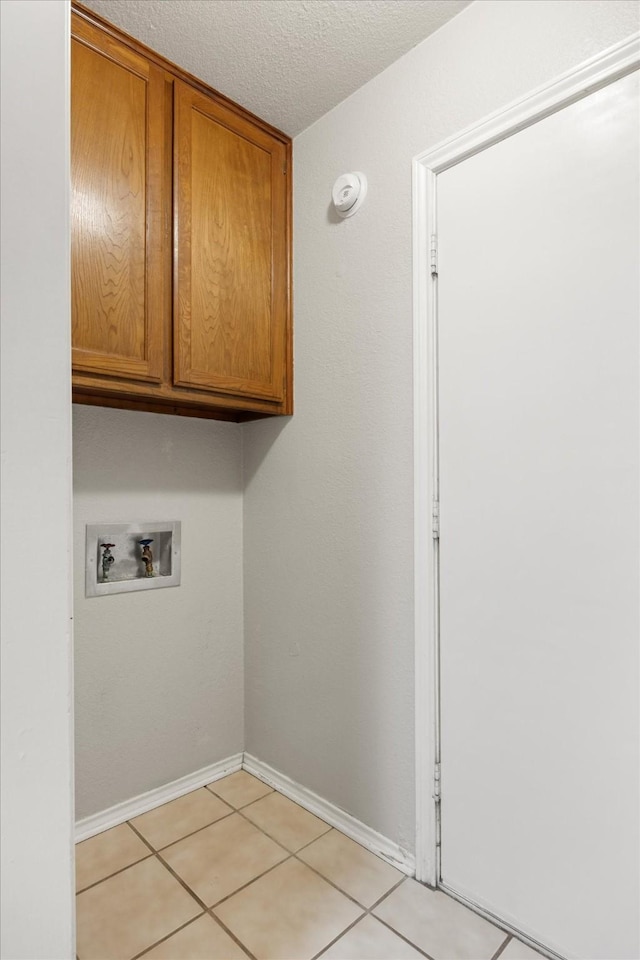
586,78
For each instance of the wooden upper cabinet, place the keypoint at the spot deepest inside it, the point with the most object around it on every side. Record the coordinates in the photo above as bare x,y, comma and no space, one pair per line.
181,238
119,208
230,274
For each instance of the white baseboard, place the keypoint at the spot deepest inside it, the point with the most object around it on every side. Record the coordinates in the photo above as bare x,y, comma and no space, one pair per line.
155,798
330,813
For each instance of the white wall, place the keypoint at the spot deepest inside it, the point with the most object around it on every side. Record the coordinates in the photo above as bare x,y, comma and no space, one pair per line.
328,513
328,504
37,768
159,673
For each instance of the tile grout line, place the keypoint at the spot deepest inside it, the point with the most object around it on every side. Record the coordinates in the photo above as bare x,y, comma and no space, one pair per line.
154,853
368,912
158,856
205,908
388,925
153,850
209,787
494,956
290,855
162,939
306,846
384,896
157,850
115,873
231,934
340,890
293,855
225,816
346,930
218,903
402,937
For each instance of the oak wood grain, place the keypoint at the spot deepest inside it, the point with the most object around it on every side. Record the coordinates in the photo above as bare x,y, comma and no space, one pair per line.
230,286
124,333
119,273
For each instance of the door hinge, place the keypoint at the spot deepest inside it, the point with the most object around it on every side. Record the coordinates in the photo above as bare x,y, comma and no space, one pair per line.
284,167
437,796
433,255
435,520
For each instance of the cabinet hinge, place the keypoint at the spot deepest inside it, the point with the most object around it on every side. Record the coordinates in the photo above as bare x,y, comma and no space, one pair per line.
435,520
433,255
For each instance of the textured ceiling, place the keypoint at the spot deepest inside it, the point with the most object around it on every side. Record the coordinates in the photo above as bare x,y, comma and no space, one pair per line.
288,61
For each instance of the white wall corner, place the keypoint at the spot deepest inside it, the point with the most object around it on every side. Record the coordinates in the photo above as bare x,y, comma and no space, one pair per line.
384,848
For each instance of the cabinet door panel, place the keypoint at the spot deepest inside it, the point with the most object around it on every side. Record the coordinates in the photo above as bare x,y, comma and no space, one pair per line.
230,311
118,209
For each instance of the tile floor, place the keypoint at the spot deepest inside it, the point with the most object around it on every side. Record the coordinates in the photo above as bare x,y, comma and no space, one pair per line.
235,870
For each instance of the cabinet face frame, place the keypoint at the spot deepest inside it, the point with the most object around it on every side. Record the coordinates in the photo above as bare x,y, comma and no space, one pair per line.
229,326
156,280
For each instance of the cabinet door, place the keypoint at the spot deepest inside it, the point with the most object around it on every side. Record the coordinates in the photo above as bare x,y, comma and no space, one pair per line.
119,208
231,279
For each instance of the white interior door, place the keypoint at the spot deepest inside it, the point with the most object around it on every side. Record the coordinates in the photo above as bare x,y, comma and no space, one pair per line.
539,434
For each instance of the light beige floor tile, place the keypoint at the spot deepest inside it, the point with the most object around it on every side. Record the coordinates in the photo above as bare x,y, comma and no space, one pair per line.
124,915
240,788
289,914
519,951
359,873
371,940
100,856
439,925
203,939
223,857
285,821
176,819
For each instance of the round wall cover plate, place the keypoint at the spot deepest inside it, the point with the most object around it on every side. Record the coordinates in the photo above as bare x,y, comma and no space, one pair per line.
348,193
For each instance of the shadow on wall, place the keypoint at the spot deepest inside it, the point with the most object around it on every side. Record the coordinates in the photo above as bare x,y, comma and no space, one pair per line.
121,451
332,216
262,435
